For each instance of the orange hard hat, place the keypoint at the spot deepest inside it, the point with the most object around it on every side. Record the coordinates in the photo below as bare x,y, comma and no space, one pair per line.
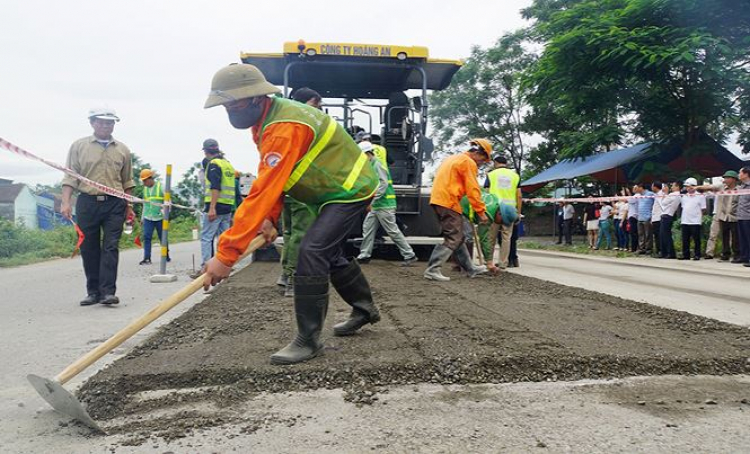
481,145
146,174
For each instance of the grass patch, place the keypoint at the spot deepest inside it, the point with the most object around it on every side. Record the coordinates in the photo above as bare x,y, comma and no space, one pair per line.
580,245
574,249
22,246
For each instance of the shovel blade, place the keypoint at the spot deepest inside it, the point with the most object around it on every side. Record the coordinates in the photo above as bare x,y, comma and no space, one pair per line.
61,400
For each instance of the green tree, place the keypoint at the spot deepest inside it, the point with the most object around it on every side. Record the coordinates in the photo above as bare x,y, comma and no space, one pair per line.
621,70
487,99
189,191
48,188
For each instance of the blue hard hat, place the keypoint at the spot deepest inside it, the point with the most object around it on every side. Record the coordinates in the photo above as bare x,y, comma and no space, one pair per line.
508,213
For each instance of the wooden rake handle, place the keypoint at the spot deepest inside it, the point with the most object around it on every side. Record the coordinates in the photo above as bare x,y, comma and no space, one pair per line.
136,325
480,254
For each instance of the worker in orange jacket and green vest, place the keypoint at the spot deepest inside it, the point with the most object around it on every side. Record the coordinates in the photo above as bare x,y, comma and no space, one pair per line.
310,157
296,217
455,178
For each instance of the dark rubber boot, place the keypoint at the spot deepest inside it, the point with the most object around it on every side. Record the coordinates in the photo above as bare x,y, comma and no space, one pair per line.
310,308
464,258
352,285
289,289
439,256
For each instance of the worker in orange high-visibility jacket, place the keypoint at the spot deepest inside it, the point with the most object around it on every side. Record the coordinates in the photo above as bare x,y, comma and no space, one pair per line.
308,156
455,178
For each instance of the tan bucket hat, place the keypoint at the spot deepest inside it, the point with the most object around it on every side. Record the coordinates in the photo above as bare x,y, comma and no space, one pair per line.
238,81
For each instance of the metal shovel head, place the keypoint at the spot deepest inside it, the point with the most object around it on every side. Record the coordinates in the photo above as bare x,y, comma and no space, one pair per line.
61,400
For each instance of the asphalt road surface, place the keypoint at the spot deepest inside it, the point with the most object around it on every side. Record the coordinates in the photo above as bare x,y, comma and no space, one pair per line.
43,329
708,288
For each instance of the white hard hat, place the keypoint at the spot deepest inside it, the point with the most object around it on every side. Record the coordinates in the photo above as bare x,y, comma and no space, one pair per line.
361,135
365,146
103,113
691,182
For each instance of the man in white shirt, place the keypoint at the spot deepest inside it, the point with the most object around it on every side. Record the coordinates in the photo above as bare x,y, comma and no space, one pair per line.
568,216
693,207
669,205
633,219
659,191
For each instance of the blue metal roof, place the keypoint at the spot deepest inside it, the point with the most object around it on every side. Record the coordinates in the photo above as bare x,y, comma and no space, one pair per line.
572,168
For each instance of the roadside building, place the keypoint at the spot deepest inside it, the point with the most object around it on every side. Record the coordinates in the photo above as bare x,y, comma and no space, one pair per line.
18,204
48,212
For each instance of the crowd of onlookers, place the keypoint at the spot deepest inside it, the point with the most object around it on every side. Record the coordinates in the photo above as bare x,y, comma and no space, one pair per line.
641,219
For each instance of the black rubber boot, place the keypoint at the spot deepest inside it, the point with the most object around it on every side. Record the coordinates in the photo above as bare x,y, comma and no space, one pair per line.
310,308
354,289
289,289
464,258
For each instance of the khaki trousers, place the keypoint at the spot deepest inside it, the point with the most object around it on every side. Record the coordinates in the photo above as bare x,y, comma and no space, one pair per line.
506,232
712,235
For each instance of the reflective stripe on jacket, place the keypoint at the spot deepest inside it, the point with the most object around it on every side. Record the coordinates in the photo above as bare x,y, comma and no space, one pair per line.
382,154
227,191
504,184
334,168
386,201
153,212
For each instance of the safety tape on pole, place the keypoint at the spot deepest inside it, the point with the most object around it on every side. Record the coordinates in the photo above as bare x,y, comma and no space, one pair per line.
711,194
105,189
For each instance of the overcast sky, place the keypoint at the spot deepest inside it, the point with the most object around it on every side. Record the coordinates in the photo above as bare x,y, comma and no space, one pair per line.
153,61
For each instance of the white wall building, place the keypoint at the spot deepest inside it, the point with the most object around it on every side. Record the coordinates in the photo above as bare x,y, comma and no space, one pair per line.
18,204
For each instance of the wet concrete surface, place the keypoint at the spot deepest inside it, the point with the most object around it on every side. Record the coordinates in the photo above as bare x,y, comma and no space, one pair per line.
199,371
666,414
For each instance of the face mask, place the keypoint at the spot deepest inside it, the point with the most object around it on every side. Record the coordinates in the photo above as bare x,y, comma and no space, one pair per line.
247,117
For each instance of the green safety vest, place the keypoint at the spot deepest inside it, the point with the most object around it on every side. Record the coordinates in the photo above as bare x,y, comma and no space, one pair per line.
333,170
381,153
504,184
388,201
153,212
227,192
491,203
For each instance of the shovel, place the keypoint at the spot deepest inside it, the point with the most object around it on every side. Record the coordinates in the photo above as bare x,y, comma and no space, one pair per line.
64,402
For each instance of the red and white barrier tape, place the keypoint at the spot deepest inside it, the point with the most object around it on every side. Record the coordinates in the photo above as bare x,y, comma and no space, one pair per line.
625,198
105,189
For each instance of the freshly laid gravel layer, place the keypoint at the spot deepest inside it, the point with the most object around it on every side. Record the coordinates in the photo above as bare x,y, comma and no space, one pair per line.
486,330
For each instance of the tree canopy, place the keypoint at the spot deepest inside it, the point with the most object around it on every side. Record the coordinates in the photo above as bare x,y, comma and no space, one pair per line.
590,75
486,99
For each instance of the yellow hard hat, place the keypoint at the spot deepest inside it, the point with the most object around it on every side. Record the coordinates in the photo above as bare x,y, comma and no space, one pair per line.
238,81
146,174
482,145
